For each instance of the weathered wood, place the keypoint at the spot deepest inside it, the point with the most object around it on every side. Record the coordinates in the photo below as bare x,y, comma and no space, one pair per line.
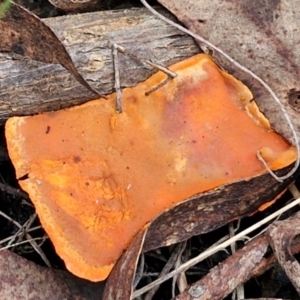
28,87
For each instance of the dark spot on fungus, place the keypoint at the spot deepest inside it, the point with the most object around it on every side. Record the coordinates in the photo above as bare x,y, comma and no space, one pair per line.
48,129
76,159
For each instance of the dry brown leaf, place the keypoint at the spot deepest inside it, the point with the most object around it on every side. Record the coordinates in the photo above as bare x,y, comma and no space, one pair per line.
25,34
261,35
22,279
120,282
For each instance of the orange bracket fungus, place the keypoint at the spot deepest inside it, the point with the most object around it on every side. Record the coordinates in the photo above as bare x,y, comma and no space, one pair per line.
97,177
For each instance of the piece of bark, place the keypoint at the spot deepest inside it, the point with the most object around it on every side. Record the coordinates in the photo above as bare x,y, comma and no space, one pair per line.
244,264
120,282
29,87
281,235
213,209
225,277
22,279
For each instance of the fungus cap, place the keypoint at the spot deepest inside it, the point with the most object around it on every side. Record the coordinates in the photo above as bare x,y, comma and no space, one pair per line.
96,177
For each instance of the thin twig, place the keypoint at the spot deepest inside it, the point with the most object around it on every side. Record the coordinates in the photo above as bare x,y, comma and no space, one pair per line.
139,271
35,246
180,278
146,61
155,88
117,48
239,292
117,78
168,266
19,234
294,191
43,238
247,71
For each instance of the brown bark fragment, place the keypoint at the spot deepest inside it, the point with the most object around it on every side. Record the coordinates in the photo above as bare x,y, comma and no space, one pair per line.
119,283
29,87
229,273
224,278
22,279
282,234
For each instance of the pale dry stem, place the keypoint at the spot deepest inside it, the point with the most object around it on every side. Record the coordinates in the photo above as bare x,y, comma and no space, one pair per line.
24,231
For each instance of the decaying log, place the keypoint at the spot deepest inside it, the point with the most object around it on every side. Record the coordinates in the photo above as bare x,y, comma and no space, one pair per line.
29,87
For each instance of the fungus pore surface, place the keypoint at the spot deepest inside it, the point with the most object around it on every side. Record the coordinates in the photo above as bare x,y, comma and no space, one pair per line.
97,177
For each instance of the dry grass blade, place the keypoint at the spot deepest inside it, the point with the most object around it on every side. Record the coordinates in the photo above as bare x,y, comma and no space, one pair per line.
294,191
18,234
28,236
239,292
168,266
180,278
42,239
117,48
